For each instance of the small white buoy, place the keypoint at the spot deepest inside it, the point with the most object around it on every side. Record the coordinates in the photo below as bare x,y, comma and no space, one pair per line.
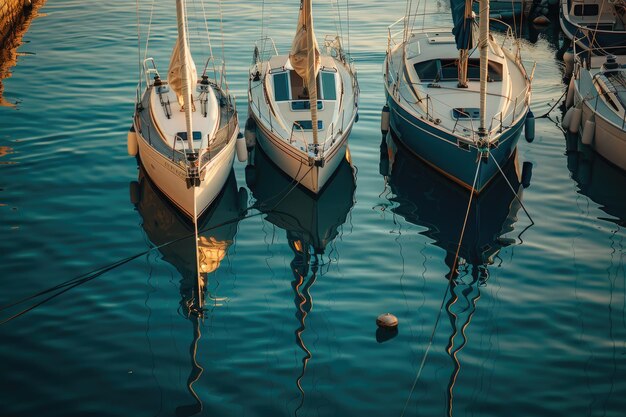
569,99
589,132
574,123
131,141
384,120
242,152
387,320
529,126
541,20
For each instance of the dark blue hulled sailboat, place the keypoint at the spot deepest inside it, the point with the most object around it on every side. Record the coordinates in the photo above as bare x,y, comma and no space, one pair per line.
454,105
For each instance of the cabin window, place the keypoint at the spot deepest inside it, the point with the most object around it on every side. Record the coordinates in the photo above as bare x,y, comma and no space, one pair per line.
329,90
464,113
281,86
586,10
304,105
428,70
307,125
447,70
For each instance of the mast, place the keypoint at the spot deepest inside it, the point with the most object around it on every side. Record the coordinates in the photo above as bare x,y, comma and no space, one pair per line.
483,44
305,58
184,68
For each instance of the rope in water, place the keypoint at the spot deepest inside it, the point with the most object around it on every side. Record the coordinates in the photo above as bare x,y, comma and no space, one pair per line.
445,295
63,287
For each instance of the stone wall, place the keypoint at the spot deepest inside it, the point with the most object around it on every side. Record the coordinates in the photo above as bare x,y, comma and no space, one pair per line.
12,12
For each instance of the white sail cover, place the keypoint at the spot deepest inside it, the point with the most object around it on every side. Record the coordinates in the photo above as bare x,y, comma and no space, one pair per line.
305,57
175,72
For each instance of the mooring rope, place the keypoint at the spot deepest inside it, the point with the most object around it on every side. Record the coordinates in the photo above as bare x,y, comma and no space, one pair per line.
445,295
84,278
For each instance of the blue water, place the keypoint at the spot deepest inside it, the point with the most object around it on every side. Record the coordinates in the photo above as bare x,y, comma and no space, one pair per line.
533,325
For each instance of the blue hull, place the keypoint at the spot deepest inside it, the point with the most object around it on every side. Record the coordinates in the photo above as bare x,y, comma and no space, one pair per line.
439,148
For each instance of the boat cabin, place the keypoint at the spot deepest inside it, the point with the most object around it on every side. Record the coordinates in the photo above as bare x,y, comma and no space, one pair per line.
291,97
598,14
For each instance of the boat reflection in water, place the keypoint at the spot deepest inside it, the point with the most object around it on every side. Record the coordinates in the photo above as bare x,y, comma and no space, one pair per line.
598,179
173,235
311,222
424,197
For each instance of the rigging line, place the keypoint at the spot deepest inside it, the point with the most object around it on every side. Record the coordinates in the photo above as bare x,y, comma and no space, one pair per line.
208,34
81,279
145,53
348,20
223,76
335,18
445,295
138,52
512,189
553,106
339,17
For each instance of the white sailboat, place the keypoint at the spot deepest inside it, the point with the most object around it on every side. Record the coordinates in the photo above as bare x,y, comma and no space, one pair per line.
184,128
596,101
303,105
453,104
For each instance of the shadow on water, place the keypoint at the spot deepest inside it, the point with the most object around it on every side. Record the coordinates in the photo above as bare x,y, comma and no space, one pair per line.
311,223
597,179
426,198
163,223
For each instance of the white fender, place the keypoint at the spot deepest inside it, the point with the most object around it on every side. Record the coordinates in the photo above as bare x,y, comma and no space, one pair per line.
574,123
567,118
589,132
242,152
569,100
131,141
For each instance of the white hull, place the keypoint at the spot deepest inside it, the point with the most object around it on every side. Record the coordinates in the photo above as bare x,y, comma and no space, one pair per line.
297,164
171,178
284,122
600,102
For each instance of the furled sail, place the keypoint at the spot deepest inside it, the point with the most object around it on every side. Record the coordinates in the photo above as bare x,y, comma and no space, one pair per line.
305,57
175,75
462,17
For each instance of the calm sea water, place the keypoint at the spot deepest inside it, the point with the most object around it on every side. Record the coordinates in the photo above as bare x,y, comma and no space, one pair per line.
534,325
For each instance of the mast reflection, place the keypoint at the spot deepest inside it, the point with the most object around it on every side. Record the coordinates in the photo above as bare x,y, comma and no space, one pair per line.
173,235
311,223
426,198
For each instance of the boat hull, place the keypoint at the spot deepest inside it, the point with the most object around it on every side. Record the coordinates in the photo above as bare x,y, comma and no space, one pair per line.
296,163
171,179
609,140
440,149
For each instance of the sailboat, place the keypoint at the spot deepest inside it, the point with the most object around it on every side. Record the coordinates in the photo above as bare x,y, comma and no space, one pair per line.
185,128
303,105
454,105
595,24
596,102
